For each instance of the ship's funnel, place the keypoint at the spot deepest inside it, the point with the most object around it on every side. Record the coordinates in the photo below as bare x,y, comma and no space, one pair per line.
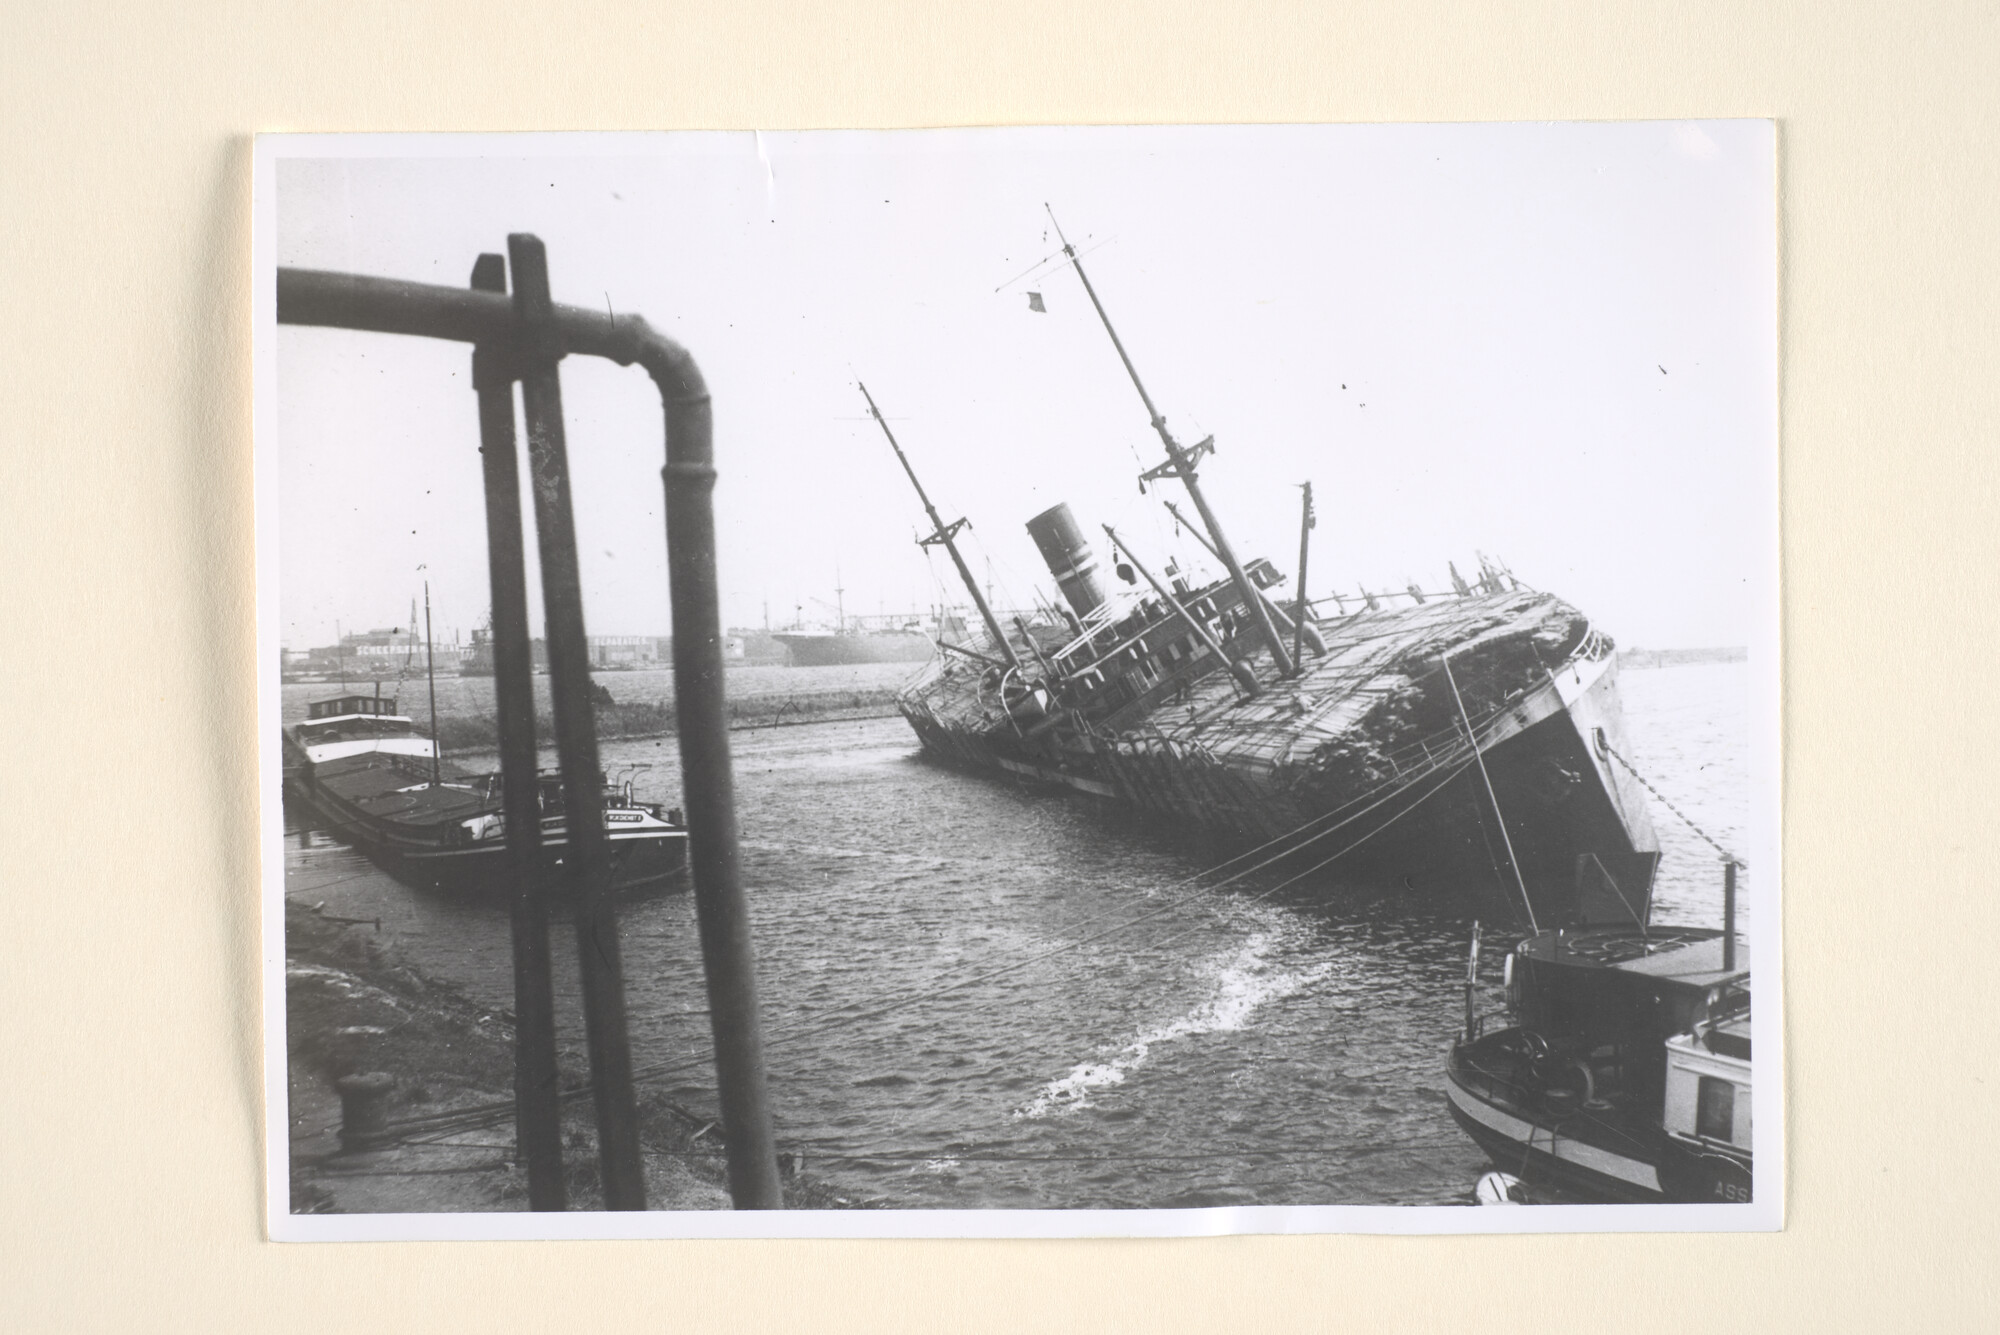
1069,557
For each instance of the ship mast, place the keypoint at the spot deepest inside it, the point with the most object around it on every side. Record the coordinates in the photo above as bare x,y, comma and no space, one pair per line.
1180,463
944,535
1305,543
1313,639
1238,669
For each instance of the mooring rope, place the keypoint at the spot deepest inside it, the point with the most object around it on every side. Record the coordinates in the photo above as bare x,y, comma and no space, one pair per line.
1662,798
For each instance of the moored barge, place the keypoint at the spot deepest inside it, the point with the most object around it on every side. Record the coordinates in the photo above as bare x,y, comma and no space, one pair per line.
372,779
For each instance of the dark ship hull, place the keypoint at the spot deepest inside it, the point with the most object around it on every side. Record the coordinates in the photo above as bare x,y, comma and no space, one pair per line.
1360,764
360,772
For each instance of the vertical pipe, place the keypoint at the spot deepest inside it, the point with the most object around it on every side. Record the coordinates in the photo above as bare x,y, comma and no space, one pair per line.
537,1116
708,784
587,858
1472,986
1728,917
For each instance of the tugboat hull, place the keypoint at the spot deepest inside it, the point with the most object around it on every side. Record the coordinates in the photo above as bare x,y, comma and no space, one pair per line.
1545,1151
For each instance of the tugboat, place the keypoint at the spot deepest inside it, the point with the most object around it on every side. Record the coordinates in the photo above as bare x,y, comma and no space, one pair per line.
1619,1069
375,781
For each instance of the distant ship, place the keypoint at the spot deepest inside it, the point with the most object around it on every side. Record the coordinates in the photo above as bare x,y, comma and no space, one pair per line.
1461,739
828,648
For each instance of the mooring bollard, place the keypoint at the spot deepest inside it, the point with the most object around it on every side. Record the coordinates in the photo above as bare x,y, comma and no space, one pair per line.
354,1047
364,1109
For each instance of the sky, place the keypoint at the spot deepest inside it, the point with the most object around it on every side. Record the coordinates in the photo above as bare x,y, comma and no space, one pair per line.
1553,343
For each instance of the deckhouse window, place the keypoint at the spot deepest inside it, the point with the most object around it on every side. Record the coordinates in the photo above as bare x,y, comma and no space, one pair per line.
1715,1109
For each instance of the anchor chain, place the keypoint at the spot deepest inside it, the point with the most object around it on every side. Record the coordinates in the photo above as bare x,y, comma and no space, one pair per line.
1728,856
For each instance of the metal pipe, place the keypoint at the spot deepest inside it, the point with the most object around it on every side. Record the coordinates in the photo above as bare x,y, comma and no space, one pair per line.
708,783
951,648
537,1111
1048,668
587,855
1472,986
1728,917
351,301
1238,669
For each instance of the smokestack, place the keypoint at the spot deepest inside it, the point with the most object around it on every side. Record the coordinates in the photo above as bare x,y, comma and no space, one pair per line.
1069,557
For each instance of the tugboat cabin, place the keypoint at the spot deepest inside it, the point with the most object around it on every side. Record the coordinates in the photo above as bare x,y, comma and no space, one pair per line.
1611,1000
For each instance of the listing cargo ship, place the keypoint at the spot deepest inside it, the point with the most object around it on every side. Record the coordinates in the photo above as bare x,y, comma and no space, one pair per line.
1383,743
372,779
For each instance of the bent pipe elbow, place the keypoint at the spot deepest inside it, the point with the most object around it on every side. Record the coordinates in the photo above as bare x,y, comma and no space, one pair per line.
464,315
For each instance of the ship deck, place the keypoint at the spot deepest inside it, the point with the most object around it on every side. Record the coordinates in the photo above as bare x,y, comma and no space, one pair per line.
377,786
1374,663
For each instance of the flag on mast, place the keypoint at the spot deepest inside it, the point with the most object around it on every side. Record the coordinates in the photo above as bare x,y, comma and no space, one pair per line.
1035,303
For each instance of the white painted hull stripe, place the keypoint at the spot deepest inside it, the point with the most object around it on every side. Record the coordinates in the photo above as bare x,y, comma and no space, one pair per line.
1642,1175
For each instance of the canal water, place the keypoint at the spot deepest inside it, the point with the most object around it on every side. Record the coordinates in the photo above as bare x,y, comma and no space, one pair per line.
950,1024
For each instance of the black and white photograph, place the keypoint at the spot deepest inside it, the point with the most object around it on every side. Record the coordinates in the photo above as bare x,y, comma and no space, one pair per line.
1020,682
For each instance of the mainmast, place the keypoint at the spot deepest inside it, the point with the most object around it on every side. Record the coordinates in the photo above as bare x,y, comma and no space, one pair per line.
945,535
1180,463
1313,639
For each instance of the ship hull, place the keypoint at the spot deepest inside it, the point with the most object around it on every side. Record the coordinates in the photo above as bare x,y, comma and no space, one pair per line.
1569,1155
846,650
432,855
1419,818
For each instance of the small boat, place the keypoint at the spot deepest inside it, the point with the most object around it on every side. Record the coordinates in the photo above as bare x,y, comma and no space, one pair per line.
1619,1069
374,780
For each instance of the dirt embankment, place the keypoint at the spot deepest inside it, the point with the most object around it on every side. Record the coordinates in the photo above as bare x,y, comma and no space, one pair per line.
630,719
354,1005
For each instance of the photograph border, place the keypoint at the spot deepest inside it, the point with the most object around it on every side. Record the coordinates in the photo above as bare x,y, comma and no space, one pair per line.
1765,1213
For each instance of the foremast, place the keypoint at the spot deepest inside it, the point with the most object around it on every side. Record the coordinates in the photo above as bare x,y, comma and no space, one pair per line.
1181,461
945,535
